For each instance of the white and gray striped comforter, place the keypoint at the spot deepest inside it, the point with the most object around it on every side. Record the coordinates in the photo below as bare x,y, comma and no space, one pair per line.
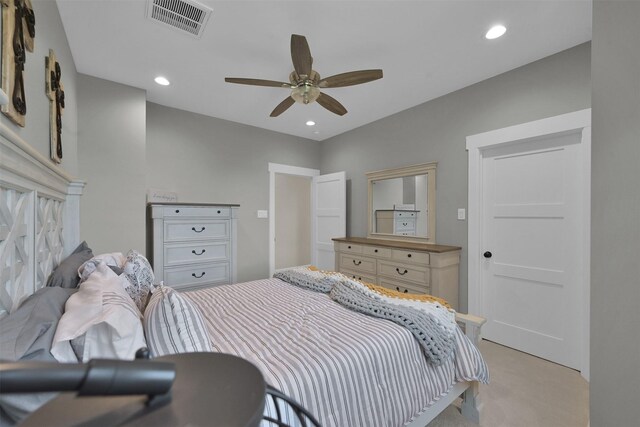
346,368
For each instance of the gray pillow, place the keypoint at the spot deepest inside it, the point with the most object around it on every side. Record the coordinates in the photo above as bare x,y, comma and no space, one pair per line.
66,274
27,334
116,269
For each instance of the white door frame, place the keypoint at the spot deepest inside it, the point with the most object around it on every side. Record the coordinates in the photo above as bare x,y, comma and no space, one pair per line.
275,168
578,121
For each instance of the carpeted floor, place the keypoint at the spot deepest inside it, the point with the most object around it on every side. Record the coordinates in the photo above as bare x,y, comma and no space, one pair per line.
525,391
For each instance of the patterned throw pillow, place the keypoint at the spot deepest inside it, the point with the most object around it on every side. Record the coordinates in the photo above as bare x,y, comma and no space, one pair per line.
141,279
173,324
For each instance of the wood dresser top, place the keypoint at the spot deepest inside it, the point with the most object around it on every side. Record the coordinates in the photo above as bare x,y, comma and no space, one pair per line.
427,247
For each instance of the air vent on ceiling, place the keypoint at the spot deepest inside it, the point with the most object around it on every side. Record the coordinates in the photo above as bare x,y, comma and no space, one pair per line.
185,15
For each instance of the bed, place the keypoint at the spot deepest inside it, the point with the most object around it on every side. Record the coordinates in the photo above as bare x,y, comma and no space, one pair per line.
346,368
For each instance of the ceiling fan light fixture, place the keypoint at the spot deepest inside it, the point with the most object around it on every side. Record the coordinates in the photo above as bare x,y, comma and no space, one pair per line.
305,94
495,32
310,123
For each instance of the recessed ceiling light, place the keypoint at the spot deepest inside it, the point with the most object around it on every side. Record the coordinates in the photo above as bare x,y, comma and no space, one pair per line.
311,123
162,81
495,32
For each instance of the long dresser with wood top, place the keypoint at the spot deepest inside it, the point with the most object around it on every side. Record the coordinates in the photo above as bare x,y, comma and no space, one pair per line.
408,267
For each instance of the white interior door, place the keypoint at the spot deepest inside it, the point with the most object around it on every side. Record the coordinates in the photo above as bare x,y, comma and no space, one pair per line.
532,239
329,195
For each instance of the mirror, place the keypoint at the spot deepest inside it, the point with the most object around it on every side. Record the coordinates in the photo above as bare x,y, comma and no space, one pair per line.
402,203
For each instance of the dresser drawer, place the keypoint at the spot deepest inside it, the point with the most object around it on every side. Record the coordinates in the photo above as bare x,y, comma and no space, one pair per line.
404,214
376,251
195,230
405,225
197,274
410,256
358,276
188,253
351,248
407,272
357,263
404,287
192,211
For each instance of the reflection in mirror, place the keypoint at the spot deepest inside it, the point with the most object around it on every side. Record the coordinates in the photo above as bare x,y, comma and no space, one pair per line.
400,206
402,203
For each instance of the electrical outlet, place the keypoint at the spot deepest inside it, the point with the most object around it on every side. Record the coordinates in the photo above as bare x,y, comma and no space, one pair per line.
263,214
461,213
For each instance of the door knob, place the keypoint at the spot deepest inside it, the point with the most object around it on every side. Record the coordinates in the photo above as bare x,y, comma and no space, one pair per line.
488,254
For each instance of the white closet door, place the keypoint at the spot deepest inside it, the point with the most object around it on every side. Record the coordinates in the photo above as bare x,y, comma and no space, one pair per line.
532,241
329,217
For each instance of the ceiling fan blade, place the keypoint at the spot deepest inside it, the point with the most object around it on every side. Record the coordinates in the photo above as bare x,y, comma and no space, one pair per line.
282,107
257,82
331,104
351,78
300,55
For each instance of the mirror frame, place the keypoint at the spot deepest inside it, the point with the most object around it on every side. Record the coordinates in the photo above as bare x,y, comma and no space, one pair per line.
428,169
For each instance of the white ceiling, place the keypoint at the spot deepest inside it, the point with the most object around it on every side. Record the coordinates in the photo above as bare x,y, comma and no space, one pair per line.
425,49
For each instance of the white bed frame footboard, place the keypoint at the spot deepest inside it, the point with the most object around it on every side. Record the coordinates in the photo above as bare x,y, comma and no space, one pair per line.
39,218
468,390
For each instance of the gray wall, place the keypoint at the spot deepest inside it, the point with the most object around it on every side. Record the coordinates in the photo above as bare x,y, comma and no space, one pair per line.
615,212
211,160
49,35
436,131
111,156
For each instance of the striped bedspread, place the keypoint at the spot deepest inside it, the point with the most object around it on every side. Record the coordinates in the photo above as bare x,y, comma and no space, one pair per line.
346,368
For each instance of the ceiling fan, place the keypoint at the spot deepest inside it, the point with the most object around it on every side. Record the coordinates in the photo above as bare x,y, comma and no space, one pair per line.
305,83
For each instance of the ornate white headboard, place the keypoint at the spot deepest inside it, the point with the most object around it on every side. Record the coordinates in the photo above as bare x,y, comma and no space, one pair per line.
39,218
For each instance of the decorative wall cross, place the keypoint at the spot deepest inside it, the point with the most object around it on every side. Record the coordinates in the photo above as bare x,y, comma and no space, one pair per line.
55,93
18,33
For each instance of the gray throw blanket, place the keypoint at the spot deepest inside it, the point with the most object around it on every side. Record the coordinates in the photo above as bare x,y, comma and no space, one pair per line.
437,344
308,279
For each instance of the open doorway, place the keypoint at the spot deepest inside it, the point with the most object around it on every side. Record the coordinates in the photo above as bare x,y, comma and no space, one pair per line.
326,202
281,245
292,220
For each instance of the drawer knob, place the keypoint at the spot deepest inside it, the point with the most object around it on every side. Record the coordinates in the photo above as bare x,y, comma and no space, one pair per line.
218,211
177,210
406,291
398,288
402,274
198,231
356,263
375,250
348,247
195,253
196,276
408,255
487,254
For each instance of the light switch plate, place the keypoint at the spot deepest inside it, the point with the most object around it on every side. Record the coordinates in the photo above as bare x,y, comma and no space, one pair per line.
462,213
263,214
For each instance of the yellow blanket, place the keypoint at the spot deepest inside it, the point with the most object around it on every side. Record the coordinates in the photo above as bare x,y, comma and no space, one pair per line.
391,293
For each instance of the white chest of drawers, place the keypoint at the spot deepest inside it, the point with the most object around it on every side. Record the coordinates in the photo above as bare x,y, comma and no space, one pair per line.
398,222
192,246
406,267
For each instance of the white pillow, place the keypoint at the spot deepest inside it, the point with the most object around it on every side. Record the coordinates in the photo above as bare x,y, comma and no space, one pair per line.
103,311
